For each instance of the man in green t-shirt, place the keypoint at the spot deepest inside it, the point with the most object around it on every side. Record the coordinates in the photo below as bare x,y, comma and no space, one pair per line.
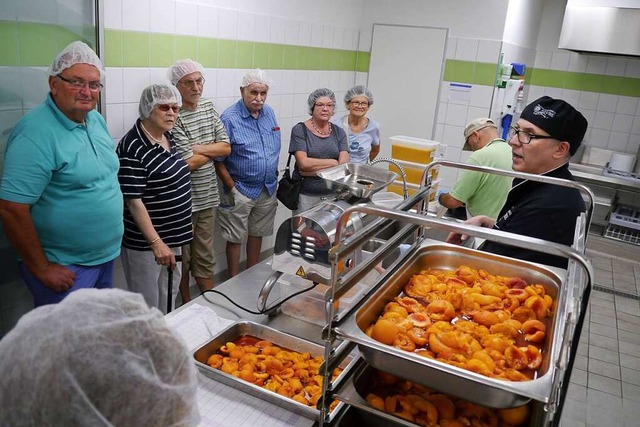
481,193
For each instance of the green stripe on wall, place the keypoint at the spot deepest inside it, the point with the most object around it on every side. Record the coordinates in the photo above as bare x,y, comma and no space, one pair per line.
34,45
137,49
483,73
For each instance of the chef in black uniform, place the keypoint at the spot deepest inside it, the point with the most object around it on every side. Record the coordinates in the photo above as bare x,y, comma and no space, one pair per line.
545,137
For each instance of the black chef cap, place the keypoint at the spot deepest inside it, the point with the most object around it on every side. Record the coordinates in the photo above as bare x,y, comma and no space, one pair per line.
558,118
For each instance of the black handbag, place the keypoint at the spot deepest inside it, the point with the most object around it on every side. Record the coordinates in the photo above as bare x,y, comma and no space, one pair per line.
289,188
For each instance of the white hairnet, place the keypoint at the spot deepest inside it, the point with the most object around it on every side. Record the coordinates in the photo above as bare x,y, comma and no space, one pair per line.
358,90
319,93
183,67
75,53
157,94
101,357
255,76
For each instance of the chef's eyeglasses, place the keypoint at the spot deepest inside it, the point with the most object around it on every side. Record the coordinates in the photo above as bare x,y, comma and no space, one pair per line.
359,104
167,107
193,83
525,137
80,84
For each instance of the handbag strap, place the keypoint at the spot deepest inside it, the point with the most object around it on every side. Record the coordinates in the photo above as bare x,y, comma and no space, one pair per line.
306,141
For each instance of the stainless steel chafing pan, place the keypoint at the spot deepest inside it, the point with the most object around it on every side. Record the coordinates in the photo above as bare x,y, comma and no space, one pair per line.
281,339
358,179
358,385
450,379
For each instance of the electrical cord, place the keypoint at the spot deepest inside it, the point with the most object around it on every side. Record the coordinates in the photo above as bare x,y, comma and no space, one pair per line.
266,310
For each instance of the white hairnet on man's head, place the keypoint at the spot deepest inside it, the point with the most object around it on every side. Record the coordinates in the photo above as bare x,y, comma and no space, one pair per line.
358,90
157,94
255,76
182,68
319,93
75,53
101,357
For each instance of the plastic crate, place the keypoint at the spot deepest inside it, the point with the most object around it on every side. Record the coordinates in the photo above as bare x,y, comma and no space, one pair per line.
625,216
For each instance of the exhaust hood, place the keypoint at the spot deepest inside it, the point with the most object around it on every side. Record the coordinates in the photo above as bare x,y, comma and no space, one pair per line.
607,30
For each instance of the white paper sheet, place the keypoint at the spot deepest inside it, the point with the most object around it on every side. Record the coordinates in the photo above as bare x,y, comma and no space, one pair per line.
219,404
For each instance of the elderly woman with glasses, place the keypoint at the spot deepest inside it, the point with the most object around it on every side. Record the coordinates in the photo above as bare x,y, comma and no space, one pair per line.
317,144
363,133
156,186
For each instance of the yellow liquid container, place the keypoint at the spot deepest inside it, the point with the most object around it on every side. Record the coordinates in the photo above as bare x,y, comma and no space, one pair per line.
414,154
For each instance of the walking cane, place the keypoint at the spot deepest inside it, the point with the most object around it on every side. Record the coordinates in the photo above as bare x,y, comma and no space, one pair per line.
170,275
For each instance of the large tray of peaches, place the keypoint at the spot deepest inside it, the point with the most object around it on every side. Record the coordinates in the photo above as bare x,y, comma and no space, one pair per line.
269,364
393,400
472,324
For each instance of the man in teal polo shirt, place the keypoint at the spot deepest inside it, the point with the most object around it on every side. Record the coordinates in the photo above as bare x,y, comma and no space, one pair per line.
60,202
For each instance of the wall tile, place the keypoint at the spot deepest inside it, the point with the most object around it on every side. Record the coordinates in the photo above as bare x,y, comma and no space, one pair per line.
635,127
571,96
277,34
442,113
633,68
304,37
158,75
596,64
603,120
327,36
451,137
134,80
543,60
607,103
316,34
578,62
489,51
228,24
11,89
456,115
208,21
244,54
135,15
292,32
115,124
618,141
467,49
45,12
450,48
8,119
588,100
227,53
227,85
286,106
560,61
130,114
162,16
161,49
113,15
262,28
634,143
300,106
622,123
599,138
475,112
186,47
361,79
246,26
338,38
208,52
114,84
211,77
35,86
627,105
615,66
186,18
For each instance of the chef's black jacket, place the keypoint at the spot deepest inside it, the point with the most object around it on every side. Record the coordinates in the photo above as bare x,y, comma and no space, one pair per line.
541,210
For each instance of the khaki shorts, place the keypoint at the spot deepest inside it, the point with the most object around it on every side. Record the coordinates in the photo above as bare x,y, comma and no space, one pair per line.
199,255
239,216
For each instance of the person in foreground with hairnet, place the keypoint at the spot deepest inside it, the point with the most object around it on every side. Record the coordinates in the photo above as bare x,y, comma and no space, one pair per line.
317,144
60,202
99,358
250,173
200,137
548,132
362,132
156,187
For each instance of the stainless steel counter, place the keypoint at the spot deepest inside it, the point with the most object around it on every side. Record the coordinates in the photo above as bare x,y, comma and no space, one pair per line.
244,290
593,175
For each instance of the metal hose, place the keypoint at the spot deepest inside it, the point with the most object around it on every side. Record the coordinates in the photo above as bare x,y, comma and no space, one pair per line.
403,174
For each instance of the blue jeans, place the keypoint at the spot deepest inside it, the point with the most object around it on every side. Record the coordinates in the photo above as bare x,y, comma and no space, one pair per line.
97,276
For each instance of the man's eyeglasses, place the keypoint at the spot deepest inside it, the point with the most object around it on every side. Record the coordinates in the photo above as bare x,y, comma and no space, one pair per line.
167,107
525,137
193,83
80,84
320,105
359,104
